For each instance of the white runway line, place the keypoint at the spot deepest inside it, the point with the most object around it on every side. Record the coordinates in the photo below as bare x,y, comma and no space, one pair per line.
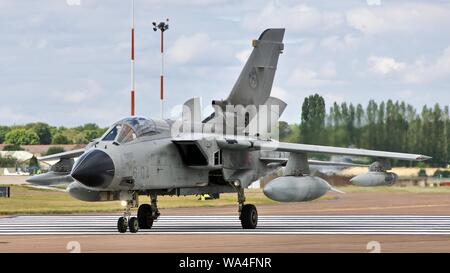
230,225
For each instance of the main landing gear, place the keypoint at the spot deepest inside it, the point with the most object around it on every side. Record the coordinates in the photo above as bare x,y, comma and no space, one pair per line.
247,212
145,216
148,213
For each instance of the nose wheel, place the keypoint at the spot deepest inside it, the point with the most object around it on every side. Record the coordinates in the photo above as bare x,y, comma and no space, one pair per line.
126,221
133,225
146,215
122,224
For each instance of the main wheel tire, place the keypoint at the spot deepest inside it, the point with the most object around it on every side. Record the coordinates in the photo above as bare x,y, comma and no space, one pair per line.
249,217
122,225
145,218
133,225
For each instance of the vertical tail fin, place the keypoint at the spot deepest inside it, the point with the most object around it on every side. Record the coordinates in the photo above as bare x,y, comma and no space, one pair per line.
254,84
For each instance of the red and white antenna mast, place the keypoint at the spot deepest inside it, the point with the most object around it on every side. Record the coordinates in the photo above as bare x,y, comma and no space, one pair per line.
132,59
163,26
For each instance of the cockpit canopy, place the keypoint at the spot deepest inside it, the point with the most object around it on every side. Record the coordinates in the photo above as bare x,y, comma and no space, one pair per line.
128,129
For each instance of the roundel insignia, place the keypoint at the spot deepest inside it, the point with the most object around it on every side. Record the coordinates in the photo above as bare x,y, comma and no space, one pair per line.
253,78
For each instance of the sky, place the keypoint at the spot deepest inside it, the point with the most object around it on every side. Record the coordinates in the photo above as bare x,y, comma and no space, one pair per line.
67,62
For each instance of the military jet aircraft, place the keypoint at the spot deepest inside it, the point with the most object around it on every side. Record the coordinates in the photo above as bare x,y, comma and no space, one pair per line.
223,153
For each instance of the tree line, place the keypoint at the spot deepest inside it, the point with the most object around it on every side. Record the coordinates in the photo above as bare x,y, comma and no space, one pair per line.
42,133
387,125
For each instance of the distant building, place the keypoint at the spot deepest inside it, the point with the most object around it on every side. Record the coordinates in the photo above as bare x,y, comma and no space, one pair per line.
24,156
39,150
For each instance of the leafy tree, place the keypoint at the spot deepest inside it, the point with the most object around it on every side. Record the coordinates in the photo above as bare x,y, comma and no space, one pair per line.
43,131
394,126
88,126
3,131
445,174
91,134
439,135
22,137
46,133
7,162
422,173
60,139
12,147
284,130
33,165
437,173
313,119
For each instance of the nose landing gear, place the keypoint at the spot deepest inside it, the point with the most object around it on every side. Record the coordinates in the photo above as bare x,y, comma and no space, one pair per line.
146,215
126,221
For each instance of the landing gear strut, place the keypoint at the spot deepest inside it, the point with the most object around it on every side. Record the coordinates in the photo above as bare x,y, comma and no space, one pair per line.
126,221
247,212
148,213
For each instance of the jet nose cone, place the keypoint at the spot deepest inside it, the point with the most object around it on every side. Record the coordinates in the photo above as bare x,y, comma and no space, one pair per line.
94,169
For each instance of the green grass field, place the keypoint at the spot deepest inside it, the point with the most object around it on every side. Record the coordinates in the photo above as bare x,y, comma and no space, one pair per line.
397,189
27,200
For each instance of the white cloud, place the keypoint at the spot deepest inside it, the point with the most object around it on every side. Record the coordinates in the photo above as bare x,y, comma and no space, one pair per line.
42,43
302,76
299,17
420,71
28,43
35,20
49,40
416,97
405,95
234,19
198,47
406,18
323,75
331,98
423,70
384,65
328,70
306,77
187,3
306,47
186,47
91,90
243,55
280,93
332,19
73,2
335,43
12,116
365,20
373,2
103,115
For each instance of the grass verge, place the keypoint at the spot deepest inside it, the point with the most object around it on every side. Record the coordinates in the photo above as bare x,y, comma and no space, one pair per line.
27,200
397,189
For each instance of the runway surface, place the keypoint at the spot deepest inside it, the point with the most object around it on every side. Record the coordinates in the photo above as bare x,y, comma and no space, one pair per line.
267,225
